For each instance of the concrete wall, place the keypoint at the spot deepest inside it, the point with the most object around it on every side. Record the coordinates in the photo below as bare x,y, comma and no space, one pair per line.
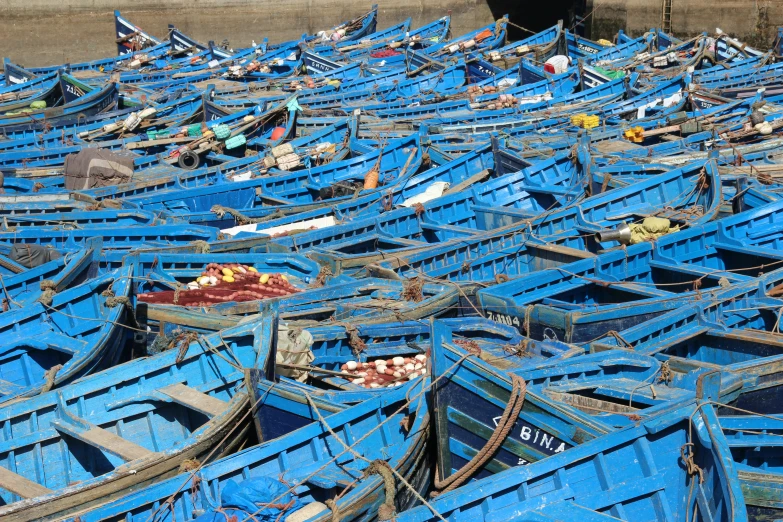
44,32
746,19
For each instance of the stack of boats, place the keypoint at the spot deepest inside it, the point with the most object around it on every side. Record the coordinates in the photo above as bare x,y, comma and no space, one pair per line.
394,274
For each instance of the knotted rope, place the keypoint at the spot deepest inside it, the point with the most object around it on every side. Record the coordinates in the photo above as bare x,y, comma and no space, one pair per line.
412,290
469,345
113,301
354,341
501,278
666,373
518,350
380,467
686,452
220,211
49,377
322,276
332,505
188,465
200,246
183,340
177,291
48,289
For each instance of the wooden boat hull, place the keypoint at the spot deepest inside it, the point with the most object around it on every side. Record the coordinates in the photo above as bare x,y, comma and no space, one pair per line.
269,459
214,427
230,437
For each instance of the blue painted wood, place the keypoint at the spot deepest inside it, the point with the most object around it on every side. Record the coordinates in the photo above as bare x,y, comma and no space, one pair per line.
114,237
473,393
314,459
46,439
634,474
754,444
123,29
80,331
25,288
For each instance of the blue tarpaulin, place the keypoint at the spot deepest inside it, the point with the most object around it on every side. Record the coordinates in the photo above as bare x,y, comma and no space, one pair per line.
248,496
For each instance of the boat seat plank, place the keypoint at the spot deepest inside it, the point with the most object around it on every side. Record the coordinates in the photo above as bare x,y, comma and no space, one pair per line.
268,199
18,485
464,184
194,399
102,439
326,478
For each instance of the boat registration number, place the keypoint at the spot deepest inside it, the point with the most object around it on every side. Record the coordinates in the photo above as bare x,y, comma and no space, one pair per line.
503,318
587,49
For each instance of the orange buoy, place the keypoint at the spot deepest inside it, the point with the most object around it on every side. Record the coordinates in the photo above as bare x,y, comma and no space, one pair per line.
278,133
371,179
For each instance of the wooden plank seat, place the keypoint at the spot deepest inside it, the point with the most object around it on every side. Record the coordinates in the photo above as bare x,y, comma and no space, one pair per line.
100,438
194,399
18,485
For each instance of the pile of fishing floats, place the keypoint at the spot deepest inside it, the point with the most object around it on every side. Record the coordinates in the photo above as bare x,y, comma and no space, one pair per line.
384,373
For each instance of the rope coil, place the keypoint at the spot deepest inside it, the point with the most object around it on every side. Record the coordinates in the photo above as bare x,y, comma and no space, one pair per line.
666,373
503,428
49,290
412,290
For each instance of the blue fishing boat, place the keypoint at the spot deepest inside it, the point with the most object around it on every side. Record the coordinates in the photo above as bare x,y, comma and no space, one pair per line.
81,219
65,335
114,237
303,186
366,301
752,440
131,425
582,301
283,407
23,287
570,249
90,102
653,456
560,231
160,272
130,38
372,427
